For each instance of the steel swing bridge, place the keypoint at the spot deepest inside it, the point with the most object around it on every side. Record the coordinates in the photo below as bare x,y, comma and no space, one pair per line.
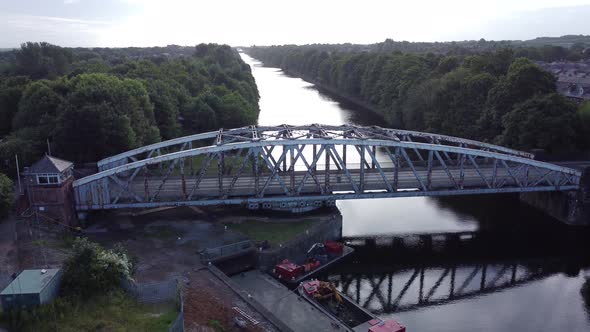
299,168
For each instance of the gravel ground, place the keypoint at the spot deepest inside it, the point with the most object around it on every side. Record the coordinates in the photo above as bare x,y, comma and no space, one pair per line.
165,243
26,245
208,299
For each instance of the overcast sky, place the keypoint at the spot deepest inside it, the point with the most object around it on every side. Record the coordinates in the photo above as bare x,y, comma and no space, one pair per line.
262,22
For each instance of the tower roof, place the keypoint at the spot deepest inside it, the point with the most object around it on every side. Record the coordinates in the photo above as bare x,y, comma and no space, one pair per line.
50,165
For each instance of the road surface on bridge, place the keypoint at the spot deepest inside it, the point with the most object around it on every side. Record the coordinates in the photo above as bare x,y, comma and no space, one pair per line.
339,182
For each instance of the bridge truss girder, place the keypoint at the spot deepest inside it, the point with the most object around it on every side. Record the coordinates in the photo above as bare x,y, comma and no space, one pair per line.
303,168
256,133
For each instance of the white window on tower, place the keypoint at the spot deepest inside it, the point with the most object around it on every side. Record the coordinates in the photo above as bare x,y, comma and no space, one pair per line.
47,179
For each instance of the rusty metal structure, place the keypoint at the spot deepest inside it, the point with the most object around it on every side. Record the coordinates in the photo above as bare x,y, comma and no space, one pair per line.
299,168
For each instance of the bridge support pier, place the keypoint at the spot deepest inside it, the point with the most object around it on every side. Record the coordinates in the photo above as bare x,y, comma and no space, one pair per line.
570,207
293,207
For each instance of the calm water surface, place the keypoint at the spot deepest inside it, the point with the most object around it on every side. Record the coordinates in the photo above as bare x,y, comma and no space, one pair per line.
514,269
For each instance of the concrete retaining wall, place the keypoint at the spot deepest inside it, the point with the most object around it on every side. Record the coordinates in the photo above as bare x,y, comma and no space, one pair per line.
571,207
248,299
328,229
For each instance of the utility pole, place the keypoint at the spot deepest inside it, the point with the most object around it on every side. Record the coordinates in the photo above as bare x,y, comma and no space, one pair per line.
48,148
18,175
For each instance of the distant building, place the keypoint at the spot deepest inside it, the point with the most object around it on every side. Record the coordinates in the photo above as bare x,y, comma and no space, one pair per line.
31,288
48,183
573,78
575,89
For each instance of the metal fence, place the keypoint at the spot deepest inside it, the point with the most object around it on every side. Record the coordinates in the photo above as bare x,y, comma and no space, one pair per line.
158,292
152,292
178,324
227,251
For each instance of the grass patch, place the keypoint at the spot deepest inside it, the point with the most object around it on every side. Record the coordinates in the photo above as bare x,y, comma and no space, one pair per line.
162,232
64,242
40,243
215,325
273,232
114,312
67,241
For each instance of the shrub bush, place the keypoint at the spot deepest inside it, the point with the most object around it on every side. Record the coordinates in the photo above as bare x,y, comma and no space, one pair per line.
93,270
6,195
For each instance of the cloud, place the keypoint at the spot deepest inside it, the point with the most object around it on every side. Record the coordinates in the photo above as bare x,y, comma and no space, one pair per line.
28,20
58,30
547,22
188,22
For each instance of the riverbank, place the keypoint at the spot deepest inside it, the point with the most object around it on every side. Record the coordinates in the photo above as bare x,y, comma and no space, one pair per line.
341,97
378,116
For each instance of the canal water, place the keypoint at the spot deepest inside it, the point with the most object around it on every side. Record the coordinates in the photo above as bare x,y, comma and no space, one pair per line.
484,263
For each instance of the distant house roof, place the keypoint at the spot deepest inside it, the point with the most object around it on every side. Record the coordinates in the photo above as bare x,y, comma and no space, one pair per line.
50,165
30,282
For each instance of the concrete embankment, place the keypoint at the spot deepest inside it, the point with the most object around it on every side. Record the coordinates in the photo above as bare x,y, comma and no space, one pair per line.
570,207
284,304
247,298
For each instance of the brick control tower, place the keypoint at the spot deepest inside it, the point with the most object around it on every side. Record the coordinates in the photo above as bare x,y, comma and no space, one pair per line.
49,189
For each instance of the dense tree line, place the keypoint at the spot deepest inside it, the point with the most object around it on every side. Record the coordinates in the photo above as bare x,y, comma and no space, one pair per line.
495,96
565,48
91,103
541,49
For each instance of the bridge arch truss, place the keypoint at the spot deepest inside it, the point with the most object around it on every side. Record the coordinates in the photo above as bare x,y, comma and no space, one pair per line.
301,167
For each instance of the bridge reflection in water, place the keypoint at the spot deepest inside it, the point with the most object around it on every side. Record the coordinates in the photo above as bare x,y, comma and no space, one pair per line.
413,271
457,282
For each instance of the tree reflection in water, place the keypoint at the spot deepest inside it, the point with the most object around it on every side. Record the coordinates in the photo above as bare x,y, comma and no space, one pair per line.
585,291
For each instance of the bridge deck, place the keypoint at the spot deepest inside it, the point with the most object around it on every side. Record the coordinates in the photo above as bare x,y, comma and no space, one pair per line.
244,186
